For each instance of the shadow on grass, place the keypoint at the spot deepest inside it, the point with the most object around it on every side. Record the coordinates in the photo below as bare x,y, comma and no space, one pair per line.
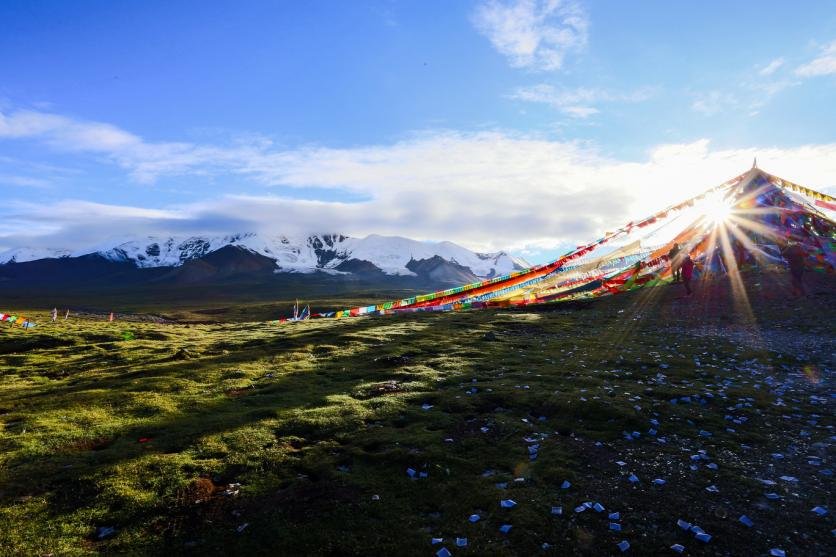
340,420
289,402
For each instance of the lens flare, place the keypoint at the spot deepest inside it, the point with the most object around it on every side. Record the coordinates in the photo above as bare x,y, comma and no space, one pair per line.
717,209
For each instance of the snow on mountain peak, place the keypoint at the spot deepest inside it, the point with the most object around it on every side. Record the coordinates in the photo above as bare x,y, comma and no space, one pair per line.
21,255
301,254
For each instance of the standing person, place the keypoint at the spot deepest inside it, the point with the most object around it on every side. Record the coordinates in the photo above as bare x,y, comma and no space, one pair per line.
716,265
795,255
687,271
673,257
739,253
54,315
111,317
67,315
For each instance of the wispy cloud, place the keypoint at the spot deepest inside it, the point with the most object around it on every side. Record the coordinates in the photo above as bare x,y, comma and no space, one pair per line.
749,95
534,34
823,64
22,181
486,190
762,92
579,102
22,174
713,102
65,132
146,161
772,67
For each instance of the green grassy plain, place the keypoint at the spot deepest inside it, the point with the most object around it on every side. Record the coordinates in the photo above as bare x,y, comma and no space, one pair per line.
147,428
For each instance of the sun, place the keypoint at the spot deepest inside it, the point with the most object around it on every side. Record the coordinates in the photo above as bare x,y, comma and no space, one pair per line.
717,208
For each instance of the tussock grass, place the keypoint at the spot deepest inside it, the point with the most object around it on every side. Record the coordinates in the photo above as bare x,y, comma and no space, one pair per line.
319,421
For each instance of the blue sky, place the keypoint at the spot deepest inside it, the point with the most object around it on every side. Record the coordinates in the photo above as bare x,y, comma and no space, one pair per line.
516,124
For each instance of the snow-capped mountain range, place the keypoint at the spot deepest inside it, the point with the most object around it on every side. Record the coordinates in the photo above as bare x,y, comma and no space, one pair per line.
331,253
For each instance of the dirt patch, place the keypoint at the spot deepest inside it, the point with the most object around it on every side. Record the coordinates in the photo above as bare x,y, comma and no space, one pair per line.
238,392
199,490
183,354
382,389
392,360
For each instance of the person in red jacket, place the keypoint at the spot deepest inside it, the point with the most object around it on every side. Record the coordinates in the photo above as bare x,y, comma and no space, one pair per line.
687,268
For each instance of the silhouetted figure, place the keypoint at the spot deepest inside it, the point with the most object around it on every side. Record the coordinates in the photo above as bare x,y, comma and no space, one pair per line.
673,257
687,267
739,253
795,256
54,315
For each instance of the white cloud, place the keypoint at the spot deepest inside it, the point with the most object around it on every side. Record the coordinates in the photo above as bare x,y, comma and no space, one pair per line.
486,190
577,102
72,210
824,64
533,34
772,67
65,132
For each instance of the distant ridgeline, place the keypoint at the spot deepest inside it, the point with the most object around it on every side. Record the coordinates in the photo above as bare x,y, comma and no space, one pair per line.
746,221
239,267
